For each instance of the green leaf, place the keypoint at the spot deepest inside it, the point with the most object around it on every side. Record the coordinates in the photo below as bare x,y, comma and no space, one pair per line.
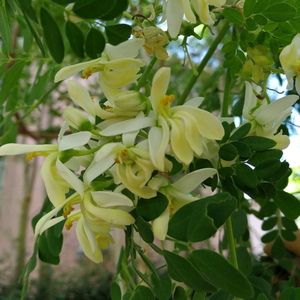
35,35
269,237
282,171
229,47
261,297
258,143
244,260
142,293
269,223
199,296
117,34
179,223
248,7
288,204
296,24
52,36
244,151
115,291
280,12
278,249
222,273
239,223
264,155
267,168
288,235
241,132
246,175
45,254
181,270
76,38
233,15
260,19
144,230
290,294
227,130
28,39
93,9
5,31
228,152
10,80
225,172
251,24
152,208
12,100
274,46
54,243
288,224
210,214
180,293
94,43
260,6
28,10
162,287
118,8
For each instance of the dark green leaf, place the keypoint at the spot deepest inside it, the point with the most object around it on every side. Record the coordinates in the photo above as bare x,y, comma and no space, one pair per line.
93,9
181,270
251,24
28,10
76,38
246,175
268,209
10,80
261,297
260,19
118,8
229,47
225,172
228,152
296,24
278,249
288,204
269,237
5,31
267,168
239,223
28,39
45,254
232,15
288,224
117,34
258,143
260,6
264,155
152,208
178,225
280,12
269,223
241,132
12,99
54,243
199,296
144,230
283,171
248,7
274,46
115,291
162,287
288,235
52,36
142,293
244,151
94,43
260,285
180,293
221,273
227,130
244,260
290,294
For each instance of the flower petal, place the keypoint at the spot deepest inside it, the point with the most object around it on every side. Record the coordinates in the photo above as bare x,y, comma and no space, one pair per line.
109,199
160,225
189,182
174,16
15,149
74,140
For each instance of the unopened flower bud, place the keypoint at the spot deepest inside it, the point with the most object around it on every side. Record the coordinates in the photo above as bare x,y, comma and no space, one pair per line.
130,103
77,119
69,15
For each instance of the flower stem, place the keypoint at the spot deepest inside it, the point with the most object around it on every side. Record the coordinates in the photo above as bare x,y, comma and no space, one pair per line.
203,63
226,95
231,243
144,77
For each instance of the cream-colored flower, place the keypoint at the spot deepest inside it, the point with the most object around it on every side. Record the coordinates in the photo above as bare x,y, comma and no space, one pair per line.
290,61
117,67
266,118
178,194
175,9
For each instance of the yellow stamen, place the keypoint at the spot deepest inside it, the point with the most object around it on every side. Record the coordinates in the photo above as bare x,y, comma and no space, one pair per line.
30,156
171,210
167,99
86,73
70,220
124,153
92,98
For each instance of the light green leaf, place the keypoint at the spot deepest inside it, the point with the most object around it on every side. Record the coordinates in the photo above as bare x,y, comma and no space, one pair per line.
233,15
5,31
280,12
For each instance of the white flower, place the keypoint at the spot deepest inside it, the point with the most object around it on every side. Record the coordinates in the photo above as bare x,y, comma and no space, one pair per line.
266,118
117,67
175,9
57,177
178,195
290,61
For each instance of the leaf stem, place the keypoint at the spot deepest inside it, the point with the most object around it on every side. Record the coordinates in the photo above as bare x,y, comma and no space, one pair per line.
231,243
204,62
